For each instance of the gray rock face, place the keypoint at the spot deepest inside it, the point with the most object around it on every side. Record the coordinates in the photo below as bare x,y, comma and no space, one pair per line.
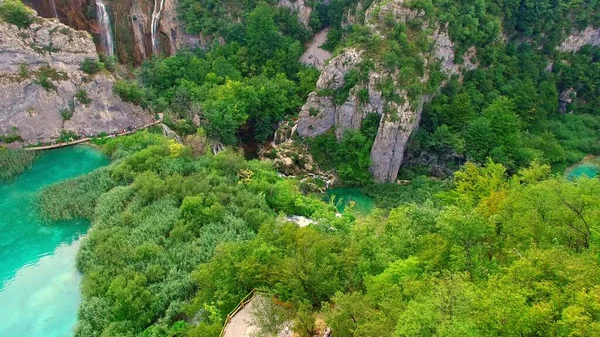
575,41
320,114
333,75
393,134
395,10
443,50
34,112
302,9
566,97
317,115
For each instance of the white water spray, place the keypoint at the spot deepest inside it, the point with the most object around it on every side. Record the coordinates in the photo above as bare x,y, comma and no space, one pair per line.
54,8
156,12
106,37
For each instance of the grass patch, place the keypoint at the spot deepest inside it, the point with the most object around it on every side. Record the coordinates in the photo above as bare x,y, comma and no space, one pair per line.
14,162
75,198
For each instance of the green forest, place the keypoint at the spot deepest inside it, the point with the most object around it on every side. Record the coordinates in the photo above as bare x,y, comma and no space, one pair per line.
180,235
484,237
506,109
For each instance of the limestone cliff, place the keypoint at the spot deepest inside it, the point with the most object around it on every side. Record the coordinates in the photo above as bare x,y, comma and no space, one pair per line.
43,91
588,36
400,109
131,21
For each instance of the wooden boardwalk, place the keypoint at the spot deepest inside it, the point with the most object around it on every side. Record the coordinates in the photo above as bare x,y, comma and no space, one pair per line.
87,139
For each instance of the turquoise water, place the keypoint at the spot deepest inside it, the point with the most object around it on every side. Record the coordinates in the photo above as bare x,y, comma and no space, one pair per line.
343,196
586,169
39,286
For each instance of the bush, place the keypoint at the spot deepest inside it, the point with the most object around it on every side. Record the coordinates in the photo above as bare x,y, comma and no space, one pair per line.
131,92
90,66
13,11
82,97
66,114
75,198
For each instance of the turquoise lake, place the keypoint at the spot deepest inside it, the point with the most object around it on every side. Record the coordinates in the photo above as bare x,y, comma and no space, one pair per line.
363,204
588,167
39,284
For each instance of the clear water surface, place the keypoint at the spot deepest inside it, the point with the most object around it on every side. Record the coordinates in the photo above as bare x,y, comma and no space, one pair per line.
39,285
363,204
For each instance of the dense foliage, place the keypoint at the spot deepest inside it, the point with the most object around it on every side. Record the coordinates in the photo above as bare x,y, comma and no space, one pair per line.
239,90
14,162
179,237
502,257
15,12
158,211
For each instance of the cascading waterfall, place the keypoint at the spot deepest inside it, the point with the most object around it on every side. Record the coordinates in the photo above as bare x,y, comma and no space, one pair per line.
54,8
106,37
167,132
156,12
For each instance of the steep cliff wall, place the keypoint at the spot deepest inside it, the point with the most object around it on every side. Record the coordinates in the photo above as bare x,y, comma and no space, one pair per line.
43,91
400,106
131,22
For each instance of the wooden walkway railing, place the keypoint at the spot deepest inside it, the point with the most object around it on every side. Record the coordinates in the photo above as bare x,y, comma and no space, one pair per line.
84,140
239,307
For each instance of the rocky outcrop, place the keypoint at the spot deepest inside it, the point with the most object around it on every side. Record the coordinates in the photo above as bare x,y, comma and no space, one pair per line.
320,113
566,97
43,91
589,36
443,50
299,7
400,112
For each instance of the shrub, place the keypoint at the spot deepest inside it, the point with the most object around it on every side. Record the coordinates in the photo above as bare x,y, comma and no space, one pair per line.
131,92
67,136
13,11
82,97
90,66
75,198
66,114
47,74
11,137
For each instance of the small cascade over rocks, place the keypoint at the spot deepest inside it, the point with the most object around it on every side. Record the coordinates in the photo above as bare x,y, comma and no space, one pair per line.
167,132
217,147
106,37
156,12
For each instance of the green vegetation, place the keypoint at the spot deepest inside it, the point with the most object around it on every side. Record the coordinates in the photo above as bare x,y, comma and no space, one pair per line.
504,248
91,66
15,12
240,90
82,97
14,162
158,212
176,235
46,74
11,137
67,136
351,156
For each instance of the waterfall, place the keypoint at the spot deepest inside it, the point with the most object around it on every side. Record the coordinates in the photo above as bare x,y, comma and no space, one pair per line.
158,7
167,132
54,8
106,37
